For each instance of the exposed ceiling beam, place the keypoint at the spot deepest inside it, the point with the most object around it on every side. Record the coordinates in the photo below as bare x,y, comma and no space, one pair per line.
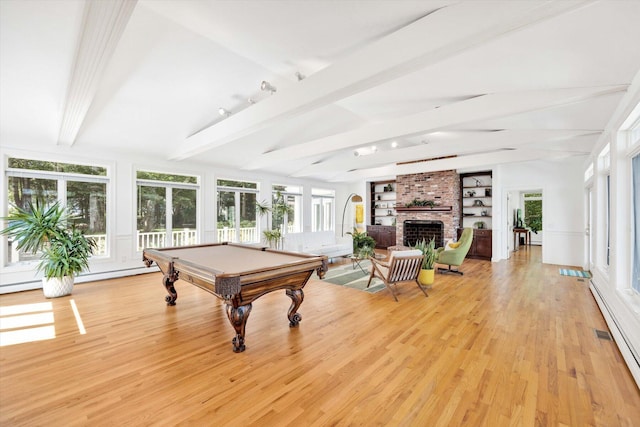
479,108
441,34
484,160
103,23
464,143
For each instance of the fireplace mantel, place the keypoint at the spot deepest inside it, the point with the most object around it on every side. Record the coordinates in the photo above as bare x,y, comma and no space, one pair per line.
424,209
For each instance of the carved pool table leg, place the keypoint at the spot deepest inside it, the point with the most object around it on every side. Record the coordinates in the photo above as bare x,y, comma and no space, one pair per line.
238,318
168,280
297,296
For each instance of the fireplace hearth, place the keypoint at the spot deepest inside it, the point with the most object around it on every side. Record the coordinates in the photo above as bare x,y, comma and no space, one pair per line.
416,230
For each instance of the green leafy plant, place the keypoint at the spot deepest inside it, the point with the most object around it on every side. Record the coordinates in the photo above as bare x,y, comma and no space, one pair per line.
421,203
67,255
429,252
34,226
273,237
363,245
64,252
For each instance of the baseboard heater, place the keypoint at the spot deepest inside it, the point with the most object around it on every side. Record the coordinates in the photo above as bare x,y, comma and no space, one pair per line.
629,352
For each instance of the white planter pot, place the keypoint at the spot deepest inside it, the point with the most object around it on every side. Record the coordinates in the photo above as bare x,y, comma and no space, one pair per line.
57,287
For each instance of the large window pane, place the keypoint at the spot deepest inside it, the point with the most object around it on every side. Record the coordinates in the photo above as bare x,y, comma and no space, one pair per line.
184,217
227,216
82,189
248,223
87,202
237,217
635,164
167,209
608,217
322,214
152,224
21,192
286,205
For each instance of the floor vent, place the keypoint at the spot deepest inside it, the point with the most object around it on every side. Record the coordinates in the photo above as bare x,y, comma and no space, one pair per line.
580,280
603,335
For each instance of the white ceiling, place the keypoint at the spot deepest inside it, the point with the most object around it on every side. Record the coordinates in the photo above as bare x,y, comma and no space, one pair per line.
487,81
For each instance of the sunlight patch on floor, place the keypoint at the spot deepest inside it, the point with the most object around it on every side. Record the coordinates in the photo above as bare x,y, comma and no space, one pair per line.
19,323
76,313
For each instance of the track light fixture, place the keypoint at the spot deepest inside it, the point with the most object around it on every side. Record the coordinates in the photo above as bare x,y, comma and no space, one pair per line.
265,85
300,76
223,112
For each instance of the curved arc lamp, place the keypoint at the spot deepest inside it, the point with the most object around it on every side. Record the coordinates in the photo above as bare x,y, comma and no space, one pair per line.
353,198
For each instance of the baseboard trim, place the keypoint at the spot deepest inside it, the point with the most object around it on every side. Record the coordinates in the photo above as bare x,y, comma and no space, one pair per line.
629,353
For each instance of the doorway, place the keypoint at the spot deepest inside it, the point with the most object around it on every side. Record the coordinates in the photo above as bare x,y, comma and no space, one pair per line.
524,208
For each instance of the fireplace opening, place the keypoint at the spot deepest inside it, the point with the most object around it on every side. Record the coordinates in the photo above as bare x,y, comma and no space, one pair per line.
416,230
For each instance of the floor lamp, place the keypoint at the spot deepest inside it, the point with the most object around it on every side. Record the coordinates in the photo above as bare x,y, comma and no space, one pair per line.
354,198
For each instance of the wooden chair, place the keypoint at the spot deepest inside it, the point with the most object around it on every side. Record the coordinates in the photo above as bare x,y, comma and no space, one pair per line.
402,266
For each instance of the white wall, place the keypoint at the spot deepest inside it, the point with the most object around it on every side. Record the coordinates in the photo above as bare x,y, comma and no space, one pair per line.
124,259
562,206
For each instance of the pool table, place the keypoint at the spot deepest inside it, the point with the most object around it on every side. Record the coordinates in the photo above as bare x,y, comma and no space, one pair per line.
238,274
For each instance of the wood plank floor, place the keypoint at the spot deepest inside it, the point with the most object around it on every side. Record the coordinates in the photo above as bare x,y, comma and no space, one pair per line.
509,343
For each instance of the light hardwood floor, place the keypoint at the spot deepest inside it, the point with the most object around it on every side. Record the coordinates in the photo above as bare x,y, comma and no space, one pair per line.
509,343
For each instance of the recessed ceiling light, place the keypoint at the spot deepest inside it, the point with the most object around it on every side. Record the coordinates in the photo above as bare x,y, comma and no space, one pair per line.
394,144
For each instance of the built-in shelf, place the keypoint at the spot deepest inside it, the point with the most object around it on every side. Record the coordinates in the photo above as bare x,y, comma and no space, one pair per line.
382,210
477,186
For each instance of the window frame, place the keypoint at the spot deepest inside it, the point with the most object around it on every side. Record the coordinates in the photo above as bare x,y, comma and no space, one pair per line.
298,224
61,179
321,198
169,186
237,199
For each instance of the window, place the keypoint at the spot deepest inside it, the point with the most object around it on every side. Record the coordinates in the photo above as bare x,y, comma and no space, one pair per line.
81,188
533,211
286,208
237,211
635,166
605,165
323,210
588,173
167,210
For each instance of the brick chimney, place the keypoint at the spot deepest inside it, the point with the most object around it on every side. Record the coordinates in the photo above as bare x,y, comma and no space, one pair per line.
442,187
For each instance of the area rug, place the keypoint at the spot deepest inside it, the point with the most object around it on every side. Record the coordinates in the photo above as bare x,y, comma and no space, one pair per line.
574,273
347,275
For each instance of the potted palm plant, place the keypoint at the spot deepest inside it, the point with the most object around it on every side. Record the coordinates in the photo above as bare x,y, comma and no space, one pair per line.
64,252
426,276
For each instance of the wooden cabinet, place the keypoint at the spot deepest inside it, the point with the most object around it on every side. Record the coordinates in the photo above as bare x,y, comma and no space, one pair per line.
384,235
383,203
481,247
476,200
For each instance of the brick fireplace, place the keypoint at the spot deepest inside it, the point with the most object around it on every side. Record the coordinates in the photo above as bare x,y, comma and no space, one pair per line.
442,187
415,230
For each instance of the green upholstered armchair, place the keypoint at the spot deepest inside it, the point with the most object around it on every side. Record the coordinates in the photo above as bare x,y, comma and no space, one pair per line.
455,256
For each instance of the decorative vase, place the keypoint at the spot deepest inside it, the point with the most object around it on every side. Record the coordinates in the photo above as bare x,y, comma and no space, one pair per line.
57,287
426,277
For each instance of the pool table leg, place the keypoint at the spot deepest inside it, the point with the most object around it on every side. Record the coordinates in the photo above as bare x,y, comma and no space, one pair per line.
238,317
168,280
296,296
